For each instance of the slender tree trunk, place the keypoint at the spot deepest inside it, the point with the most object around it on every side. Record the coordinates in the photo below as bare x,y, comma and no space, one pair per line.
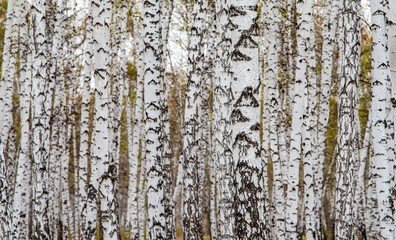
304,11
222,127
40,124
272,106
152,37
103,170
193,161
4,207
382,155
84,152
245,122
347,153
22,196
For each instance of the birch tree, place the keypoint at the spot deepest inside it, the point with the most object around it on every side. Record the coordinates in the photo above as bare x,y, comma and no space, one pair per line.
4,207
135,133
40,123
152,37
21,204
193,160
245,121
103,170
347,154
222,153
272,106
382,157
299,97
84,152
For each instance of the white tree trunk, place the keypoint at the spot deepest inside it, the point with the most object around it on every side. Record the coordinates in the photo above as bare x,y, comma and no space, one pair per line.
304,9
272,103
193,161
382,155
22,196
152,37
4,198
103,171
40,123
222,127
348,124
245,121
84,153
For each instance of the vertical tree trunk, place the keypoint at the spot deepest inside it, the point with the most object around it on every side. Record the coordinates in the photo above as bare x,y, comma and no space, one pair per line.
304,11
347,153
222,126
103,170
272,106
152,37
84,152
22,196
245,121
4,206
40,123
382,155
135,138
193,161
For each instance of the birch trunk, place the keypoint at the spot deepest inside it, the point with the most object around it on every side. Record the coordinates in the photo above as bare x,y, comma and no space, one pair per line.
272,107
103,171
304,12
9,73
40,124
135,139
245,122
222,126
4,207
382,146
348,124
152,37
392,62
169,204
22,196
84,152
193,161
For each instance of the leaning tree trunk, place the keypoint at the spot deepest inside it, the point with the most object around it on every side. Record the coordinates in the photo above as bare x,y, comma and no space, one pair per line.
245,121
347,152
193,161
152,37
381,86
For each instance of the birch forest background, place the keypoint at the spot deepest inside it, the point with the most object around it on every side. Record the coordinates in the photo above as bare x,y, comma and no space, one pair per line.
198,119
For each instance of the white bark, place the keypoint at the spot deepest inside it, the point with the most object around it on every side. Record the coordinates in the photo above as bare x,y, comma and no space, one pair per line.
304,9
22,196
382,155
135,129
103,171
193,161
152,37
272,107
40,123
84,154
222,126
4,206
245,121
348,124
